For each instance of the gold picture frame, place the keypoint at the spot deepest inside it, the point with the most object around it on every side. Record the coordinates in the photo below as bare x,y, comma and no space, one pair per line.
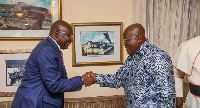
25,23
97,43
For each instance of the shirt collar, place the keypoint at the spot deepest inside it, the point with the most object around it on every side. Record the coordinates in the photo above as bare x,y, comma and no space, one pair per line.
144,49
55,42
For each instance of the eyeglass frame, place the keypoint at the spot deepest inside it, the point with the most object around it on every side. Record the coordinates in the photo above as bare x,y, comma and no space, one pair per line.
125,40
70,35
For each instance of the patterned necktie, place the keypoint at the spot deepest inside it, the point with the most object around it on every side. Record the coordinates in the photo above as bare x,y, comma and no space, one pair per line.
61,54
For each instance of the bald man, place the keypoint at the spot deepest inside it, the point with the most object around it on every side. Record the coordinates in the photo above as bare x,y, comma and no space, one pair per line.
45,79
147,74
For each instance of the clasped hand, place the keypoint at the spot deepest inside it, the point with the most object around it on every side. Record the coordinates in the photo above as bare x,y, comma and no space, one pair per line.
89,78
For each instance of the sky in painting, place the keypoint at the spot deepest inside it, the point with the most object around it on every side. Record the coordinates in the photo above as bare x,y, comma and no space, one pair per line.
37,3
96,37
16,62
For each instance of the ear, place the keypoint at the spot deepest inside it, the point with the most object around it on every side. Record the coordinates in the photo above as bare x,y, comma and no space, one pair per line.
57,35
139,38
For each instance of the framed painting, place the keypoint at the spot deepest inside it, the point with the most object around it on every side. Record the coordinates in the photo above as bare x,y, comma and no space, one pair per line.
12,68
98,43
27,19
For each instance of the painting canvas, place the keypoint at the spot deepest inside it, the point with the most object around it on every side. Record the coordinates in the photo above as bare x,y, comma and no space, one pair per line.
27,19
25,14
97,43
14,72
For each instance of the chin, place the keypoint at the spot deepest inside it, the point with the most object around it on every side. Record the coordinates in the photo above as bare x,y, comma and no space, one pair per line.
130,54
66,47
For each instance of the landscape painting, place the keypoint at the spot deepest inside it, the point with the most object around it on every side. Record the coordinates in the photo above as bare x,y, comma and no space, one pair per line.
14,72
97,43
25,14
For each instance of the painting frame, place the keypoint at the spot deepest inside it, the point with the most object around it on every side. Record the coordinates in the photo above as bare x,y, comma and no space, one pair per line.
56,11
79,29
10,54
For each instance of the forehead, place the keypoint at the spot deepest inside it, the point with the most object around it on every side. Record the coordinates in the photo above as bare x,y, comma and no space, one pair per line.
130,31
66,28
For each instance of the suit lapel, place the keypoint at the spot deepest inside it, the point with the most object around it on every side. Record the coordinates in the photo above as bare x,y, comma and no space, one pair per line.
54,44
63,71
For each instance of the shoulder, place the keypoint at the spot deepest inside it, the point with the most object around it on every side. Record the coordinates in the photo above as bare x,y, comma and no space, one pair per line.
159,54
193,43
44,44
45,49
48,51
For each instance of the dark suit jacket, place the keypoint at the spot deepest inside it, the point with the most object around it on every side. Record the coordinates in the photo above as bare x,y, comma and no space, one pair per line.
45,79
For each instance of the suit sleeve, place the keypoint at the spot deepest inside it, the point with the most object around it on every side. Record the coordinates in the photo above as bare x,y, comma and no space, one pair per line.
48,61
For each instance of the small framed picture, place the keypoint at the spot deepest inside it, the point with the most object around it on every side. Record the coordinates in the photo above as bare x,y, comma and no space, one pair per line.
97,43
12,66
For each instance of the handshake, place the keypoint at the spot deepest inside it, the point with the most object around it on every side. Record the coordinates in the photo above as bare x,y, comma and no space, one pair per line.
89,78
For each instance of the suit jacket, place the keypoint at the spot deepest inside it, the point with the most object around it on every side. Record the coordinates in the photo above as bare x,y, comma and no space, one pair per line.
45,79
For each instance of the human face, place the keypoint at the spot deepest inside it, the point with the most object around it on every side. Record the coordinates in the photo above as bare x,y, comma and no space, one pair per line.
65,38
131,42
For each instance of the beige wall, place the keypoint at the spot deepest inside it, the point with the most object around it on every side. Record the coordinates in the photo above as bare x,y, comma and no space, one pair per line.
79,11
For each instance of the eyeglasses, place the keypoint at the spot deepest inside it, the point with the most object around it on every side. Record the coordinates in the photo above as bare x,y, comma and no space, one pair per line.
70,35
125,40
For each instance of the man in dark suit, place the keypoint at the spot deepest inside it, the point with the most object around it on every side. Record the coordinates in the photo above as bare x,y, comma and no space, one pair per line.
45,79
